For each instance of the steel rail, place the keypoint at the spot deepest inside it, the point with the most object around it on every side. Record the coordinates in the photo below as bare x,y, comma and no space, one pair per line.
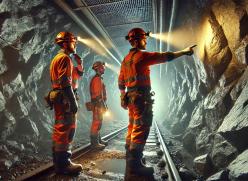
168,158
47,169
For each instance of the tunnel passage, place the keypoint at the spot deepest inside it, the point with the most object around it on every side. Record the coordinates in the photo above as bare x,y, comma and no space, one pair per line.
200,99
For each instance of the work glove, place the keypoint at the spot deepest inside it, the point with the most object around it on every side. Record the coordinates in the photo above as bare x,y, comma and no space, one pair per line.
189,50
77,58
124,102
70,95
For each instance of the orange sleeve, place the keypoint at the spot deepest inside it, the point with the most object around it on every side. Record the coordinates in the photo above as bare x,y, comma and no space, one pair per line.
121,82
152,58
96,87
65,68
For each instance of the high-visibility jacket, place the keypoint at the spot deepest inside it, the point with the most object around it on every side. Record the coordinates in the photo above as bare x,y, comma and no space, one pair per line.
135,75
135,71
97,88
61,70
97,92
77,72
64,127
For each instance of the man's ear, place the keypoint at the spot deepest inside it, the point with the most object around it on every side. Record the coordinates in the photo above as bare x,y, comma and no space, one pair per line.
136,43
65,45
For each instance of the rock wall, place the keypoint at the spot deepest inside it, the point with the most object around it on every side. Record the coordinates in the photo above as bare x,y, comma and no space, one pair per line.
27,32
209,91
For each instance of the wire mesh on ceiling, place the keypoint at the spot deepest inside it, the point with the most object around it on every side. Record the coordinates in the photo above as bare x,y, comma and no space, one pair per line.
96,2
119,16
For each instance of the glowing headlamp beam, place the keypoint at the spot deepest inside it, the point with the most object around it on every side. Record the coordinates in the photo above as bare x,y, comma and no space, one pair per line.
107,113
93,45
112,67
69,11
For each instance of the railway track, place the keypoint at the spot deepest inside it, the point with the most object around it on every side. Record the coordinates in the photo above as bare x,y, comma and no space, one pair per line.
109,164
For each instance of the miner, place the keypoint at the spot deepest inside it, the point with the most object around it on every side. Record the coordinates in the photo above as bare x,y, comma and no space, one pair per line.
99,107
136,96
64,103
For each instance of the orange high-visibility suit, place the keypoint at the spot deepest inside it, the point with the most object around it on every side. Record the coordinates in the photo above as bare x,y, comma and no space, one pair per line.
65,122
98,97
135,76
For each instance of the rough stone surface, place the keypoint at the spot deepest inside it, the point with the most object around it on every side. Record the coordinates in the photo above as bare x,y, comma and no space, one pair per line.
239,86
13,29
208,95
14,145
221,175
227,11
2,102
3,66
202,164
235,124
242,52
16,85
186,174
239,167
222,152
7,124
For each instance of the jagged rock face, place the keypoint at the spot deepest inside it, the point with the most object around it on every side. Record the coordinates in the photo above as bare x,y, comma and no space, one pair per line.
209,107
235,124
222,152
238,168
202,164
222,175
27,31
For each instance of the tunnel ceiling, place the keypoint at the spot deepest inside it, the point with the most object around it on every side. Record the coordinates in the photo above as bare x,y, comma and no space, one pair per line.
119,16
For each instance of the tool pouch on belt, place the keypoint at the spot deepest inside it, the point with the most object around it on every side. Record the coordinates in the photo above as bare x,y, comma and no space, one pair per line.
54,97
101,104
104,106
144,102
89,106
124,100
49,104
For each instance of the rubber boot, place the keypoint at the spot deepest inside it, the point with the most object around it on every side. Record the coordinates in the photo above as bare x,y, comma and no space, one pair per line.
142,160
135,165
102,141
55,165
95,143
64,165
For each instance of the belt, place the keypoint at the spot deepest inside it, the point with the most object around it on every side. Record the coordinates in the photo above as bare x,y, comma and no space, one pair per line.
139,88
57,89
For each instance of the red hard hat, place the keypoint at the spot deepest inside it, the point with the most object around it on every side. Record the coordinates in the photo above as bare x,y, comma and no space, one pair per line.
136,33
65,36
97,65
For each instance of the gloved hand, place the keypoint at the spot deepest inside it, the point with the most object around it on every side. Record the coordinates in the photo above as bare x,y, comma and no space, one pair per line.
73,103
189,50
77,58
124,102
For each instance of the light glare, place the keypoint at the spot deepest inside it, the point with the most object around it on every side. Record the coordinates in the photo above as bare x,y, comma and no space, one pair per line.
93,45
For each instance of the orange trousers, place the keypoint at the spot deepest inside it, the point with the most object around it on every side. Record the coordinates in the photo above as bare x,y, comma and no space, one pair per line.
64,127
97,121
140,120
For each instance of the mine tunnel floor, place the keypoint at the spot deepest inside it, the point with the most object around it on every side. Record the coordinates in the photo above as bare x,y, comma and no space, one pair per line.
110,163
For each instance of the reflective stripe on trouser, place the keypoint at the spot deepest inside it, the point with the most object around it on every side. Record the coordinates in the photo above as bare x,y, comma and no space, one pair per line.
96,122
64,128
137,131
